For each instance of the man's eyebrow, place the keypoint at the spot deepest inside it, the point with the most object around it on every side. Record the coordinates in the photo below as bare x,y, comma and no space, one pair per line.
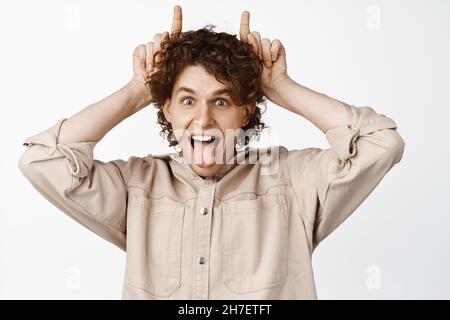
217,92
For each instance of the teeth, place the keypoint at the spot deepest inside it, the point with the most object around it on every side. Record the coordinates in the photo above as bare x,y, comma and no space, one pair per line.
203,138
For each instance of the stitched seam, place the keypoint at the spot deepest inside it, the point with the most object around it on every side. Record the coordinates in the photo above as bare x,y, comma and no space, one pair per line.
297,196
93,214
159,197
237,193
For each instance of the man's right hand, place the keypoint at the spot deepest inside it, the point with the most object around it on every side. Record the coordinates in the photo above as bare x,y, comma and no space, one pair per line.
146,55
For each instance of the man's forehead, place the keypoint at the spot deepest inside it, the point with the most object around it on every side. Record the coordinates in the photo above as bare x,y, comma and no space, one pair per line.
199,91
197,80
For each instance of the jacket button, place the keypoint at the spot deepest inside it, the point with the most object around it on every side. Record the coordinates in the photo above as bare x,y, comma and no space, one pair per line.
201,260
204,211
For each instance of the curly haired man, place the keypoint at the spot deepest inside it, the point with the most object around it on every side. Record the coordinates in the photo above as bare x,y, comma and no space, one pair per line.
216,219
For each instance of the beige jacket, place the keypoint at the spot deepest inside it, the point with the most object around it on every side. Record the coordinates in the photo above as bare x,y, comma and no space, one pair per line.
247,233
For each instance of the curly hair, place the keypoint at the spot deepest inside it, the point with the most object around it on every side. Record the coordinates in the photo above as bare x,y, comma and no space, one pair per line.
231,61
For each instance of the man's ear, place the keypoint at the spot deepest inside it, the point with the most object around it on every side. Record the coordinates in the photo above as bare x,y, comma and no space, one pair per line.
167,110
247,114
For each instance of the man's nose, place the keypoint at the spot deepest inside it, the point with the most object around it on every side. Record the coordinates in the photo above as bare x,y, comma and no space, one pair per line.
203,116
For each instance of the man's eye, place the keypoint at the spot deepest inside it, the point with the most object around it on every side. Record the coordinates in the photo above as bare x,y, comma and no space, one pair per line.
189,100
221,103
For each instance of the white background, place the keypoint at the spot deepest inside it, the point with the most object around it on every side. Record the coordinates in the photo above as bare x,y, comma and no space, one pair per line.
57,57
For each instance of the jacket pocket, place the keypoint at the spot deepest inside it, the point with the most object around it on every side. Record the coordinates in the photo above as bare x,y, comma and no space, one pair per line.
255,238
154,243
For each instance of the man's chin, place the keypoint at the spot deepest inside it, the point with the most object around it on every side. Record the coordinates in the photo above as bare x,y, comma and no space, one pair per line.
206,170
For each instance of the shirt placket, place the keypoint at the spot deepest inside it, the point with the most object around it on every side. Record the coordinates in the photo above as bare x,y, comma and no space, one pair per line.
204,211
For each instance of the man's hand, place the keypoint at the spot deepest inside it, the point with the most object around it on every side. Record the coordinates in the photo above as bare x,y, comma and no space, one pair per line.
273,56
145,56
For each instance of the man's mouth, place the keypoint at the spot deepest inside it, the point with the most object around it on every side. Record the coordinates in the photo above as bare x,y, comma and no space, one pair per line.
204,139
204,149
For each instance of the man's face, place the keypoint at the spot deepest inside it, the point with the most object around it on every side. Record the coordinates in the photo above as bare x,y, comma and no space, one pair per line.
204,119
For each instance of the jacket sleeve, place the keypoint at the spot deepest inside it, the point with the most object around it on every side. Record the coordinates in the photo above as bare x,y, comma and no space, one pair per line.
92,192
331,183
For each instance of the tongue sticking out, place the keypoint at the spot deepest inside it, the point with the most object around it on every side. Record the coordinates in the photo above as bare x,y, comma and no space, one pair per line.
204,154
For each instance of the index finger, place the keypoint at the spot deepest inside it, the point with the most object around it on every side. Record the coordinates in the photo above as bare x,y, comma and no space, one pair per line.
244,29
177,20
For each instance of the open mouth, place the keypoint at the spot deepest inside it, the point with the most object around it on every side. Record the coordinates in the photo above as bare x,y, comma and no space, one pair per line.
204,149
203,139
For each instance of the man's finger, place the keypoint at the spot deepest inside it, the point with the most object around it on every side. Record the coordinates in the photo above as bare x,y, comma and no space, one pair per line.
139,57
177,23
277,49
265,47
251,39
164,36
157,46
274,50
257,37
244,29
149,57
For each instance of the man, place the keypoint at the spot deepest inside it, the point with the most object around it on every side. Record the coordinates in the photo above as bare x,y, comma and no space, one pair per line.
212,221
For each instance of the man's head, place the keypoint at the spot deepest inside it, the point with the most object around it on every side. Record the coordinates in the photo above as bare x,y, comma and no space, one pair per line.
207,85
